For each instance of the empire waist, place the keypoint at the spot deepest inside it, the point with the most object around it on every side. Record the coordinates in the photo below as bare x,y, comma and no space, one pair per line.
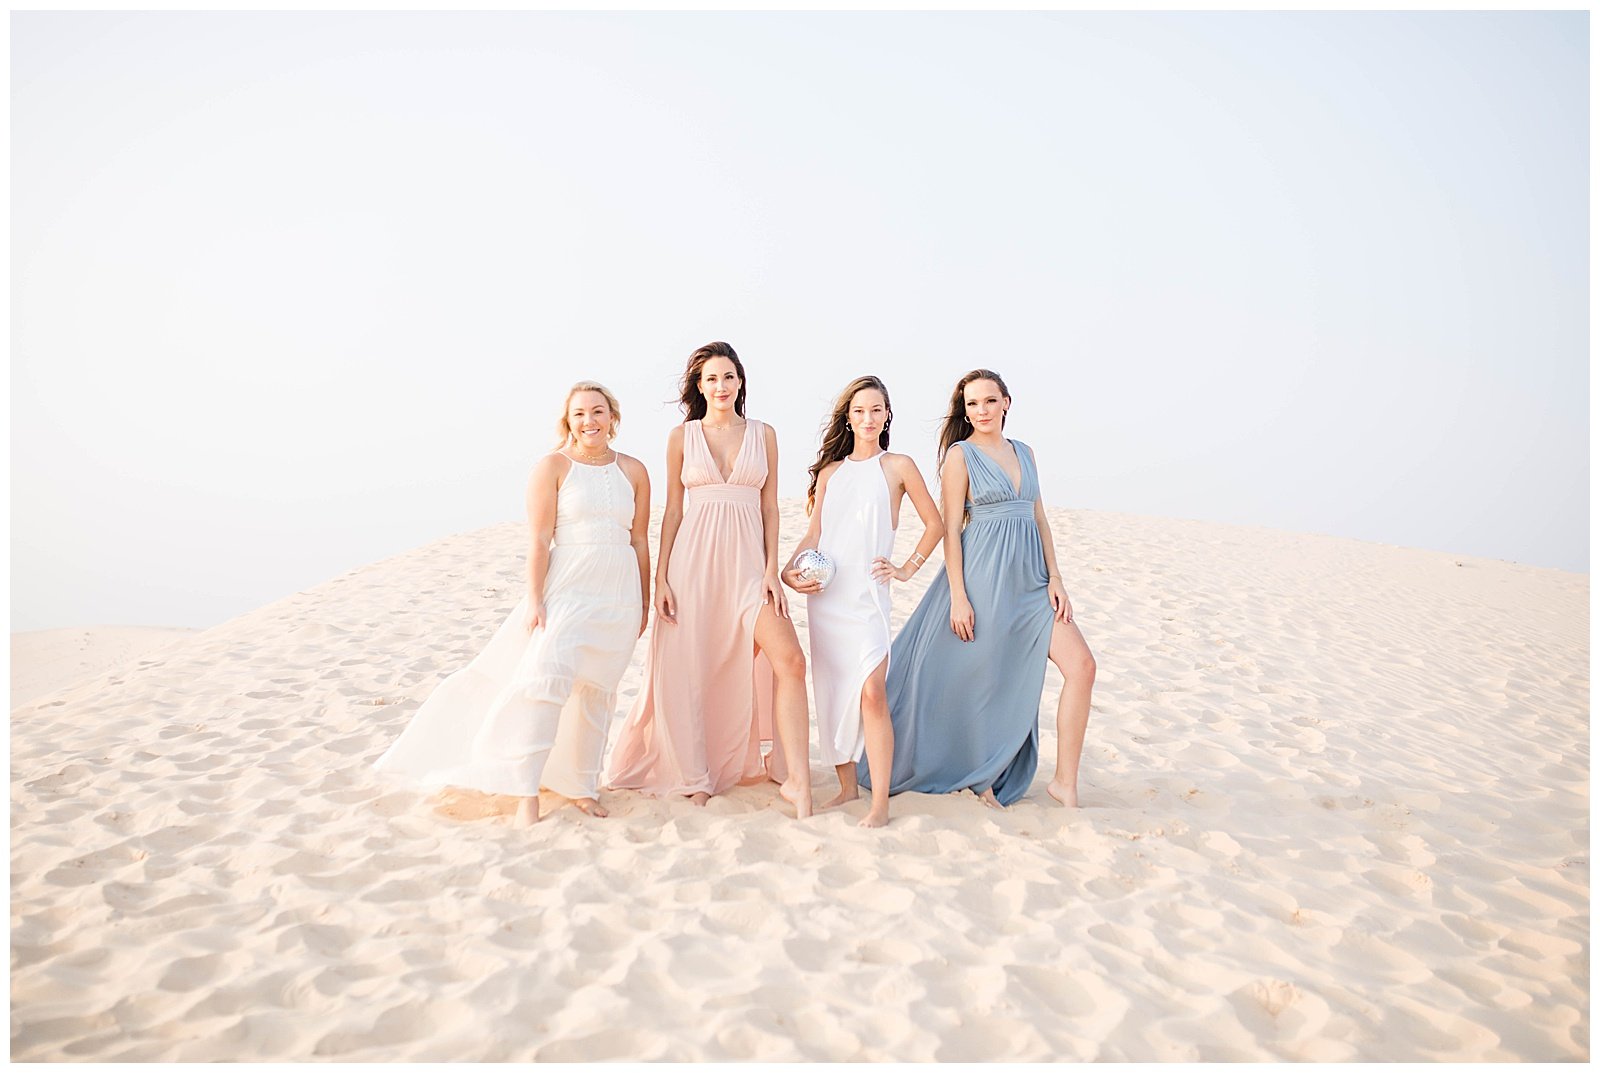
1007,509
722,493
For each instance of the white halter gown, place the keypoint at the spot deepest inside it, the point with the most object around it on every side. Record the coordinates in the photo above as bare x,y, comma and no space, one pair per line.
849,620
533,710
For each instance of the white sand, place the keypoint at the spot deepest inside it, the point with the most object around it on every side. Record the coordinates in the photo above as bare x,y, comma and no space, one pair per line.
1336,808
47,661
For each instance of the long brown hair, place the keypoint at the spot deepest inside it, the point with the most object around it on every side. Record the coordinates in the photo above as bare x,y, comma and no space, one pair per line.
690,398
837,439
956,427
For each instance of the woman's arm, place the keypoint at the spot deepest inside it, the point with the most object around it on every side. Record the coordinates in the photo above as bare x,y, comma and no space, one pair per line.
953,494
773,591
665,602
639,534
1059,602
544,484
911,483
811,539
1058,592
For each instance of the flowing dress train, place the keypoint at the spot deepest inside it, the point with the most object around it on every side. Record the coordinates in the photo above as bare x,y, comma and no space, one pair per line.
533,709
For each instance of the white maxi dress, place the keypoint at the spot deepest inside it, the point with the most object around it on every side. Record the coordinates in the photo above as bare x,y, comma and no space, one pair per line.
849,620
533,709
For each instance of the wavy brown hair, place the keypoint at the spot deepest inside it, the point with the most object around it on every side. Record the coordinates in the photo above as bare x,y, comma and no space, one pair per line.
956,427
690,399
837,439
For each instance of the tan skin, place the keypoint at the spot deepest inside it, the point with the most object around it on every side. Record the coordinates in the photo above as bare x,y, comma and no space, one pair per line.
775,637
868,412
985,408
589,430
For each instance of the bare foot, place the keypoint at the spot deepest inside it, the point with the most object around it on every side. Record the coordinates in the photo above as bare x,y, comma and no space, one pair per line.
876,817
699,799
988,798
842,797
527,812
798,796
590,806
1067,795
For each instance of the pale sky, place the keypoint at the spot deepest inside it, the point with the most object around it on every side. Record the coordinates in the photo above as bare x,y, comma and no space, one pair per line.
292,293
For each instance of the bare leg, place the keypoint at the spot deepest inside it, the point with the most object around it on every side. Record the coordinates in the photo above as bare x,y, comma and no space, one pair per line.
572,772
776,769
988,798
775,636
1071,655
849,789
699,799
527,812
879,733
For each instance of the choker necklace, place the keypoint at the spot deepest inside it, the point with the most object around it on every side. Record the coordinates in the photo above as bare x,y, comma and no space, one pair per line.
576,454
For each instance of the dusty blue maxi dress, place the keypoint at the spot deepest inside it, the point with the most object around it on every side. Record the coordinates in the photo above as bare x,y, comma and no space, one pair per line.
966,713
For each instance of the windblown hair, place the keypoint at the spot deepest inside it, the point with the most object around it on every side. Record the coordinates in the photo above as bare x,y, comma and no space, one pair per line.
837,439
692,402
956,427
564,427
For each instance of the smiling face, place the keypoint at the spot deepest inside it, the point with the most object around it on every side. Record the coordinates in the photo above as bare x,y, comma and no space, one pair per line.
590,421
720,383
868,413
986,405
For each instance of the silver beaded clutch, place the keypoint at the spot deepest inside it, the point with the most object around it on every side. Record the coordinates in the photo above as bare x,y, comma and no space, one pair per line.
813,565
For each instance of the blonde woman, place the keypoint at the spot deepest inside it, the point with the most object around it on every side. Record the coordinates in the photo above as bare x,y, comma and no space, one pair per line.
532,710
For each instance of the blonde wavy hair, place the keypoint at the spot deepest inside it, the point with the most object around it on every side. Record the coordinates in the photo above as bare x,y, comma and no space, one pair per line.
564,429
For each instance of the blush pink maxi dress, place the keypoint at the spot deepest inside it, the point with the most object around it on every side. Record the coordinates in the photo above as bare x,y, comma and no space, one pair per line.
705,708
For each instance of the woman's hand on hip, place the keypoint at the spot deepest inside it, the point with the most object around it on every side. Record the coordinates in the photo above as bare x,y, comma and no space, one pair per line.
884,571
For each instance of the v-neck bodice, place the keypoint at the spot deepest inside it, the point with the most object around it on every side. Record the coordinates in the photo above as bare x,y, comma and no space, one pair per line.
987,483
749,464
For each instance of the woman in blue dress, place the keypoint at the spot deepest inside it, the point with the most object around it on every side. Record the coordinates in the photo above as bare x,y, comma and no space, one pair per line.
966,671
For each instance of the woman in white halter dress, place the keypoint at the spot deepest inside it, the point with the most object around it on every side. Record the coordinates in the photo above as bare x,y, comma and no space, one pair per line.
849,620
532,710
856,491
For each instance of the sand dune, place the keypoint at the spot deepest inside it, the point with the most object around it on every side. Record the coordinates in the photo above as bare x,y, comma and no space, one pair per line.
48,661
1336,808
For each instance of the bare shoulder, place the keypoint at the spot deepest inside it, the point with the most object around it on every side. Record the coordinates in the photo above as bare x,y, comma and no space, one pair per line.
632,468
553,465
675,436
769,433
901,465
955,459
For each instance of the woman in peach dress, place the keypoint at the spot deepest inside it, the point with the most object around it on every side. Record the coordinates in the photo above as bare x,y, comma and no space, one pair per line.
695,729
